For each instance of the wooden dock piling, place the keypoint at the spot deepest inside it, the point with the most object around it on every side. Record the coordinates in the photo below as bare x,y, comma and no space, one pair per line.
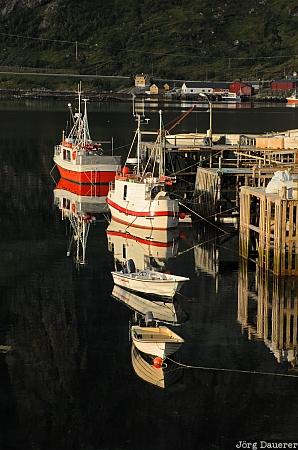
272,221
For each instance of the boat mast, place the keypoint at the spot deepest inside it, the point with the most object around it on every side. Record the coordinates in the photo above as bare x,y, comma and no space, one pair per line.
161,146
79,97
86,133
138,143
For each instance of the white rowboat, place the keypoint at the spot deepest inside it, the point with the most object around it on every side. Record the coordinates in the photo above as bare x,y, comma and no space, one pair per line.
156,341
161,377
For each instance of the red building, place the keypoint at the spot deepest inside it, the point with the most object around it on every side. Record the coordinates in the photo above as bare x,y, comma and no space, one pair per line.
283,85
240,88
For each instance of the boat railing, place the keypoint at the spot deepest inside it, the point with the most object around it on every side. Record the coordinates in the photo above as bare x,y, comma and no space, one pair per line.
96,159
130,177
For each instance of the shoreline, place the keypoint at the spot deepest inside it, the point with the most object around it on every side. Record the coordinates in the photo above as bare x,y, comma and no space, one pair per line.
118,96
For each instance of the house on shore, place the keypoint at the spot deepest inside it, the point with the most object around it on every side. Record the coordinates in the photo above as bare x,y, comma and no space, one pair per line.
284,85
242,89
142,81
216,88
158,89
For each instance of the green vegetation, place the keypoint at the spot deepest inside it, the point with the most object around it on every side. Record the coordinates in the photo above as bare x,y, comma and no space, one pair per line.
185,39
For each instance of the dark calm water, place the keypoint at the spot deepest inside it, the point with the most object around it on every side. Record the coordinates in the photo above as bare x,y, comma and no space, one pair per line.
67,380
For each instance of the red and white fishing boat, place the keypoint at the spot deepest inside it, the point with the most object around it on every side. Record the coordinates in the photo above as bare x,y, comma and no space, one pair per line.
138,198
293,99
79,158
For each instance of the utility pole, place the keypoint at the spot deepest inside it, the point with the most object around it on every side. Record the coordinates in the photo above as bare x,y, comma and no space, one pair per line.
76,50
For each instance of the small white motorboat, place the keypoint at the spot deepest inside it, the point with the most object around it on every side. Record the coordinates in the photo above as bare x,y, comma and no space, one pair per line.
148,281
157,341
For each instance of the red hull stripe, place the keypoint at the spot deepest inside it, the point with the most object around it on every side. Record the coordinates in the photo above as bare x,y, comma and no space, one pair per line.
138,213
87,177
140,240
84,189
143,227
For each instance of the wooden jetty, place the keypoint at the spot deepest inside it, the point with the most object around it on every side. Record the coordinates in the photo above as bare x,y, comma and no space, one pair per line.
269,225
231,177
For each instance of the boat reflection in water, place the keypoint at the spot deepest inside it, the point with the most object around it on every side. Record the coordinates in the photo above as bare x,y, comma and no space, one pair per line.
163,311
162,377
149,249
268,311
80,204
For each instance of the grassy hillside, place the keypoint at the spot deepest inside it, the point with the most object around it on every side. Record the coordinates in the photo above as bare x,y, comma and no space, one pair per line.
203,39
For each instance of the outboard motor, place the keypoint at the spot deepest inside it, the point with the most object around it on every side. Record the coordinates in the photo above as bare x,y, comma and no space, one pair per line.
149,319
130,266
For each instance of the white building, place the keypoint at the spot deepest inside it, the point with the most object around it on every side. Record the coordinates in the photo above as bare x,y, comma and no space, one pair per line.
204,87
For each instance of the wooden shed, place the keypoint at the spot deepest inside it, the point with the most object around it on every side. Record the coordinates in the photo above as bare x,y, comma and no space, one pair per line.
240,88
283,85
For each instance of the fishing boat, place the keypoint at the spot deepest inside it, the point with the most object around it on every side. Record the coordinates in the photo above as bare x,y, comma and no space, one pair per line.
162,377
79,158
158,341
138,197
148,281
293,99
231,97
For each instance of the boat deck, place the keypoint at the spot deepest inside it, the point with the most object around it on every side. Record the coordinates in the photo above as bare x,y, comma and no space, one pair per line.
155,335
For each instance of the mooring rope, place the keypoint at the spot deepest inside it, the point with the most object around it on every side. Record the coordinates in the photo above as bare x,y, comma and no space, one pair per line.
224,369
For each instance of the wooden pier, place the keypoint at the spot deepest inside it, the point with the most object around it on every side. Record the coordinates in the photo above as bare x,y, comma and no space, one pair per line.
269,226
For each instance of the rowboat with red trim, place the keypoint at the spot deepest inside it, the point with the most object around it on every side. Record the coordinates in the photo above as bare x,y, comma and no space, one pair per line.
139,196
81,159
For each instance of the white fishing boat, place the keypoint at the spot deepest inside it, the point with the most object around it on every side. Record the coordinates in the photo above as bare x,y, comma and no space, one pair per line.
293,99
162,377
231,97
162,311
148,281
138,197
79,158
157,341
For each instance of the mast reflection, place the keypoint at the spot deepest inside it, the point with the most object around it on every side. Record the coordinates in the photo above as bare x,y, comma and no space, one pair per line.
80,204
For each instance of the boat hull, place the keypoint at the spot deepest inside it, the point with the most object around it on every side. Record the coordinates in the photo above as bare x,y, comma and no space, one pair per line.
159,219
155,346
102,172
83,189
165,288
292,101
